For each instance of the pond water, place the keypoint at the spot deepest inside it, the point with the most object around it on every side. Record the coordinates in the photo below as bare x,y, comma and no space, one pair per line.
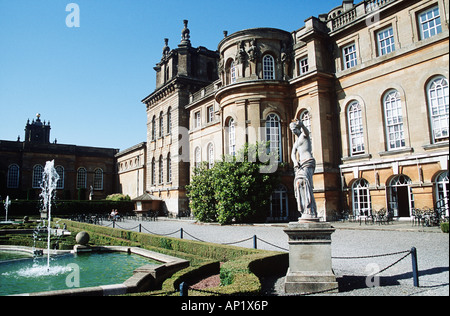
67,272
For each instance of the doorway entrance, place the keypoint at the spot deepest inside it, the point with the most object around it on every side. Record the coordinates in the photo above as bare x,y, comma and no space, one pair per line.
400,196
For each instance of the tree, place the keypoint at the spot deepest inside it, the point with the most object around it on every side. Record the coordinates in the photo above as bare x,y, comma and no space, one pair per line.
234,190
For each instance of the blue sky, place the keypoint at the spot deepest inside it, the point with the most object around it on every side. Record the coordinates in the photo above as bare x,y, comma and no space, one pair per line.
89,81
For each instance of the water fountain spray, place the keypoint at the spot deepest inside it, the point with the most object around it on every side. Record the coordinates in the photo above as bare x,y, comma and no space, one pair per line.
7,204
49,182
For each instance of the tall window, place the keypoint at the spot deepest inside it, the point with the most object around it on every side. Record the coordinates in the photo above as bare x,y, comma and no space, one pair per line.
442,190
60,183
13,177
210,156
153,172
169,168
197,119
268,68
232,72
394,120
154,128
386,42
349,55
279,204
430,23
161,124
169,121
273,134
81,178
362,204
438,104
210,113
161,170
231,138
356,129
37,176
197,157
98,179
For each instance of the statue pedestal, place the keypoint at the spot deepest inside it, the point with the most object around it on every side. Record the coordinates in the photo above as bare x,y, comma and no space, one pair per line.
310,268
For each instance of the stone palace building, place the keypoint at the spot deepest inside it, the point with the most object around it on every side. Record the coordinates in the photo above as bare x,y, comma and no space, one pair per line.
85,172
369,79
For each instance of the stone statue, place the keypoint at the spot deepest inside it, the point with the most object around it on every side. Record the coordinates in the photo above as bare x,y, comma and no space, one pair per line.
304,170
166,48
185,34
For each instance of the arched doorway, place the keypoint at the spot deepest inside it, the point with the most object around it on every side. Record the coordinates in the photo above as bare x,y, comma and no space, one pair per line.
400,197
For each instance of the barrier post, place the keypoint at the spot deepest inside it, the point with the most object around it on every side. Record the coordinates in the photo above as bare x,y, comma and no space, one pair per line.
181,233
415,266
184,289
255,242
140,228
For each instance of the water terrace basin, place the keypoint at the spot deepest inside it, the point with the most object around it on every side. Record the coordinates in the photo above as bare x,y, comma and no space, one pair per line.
96,271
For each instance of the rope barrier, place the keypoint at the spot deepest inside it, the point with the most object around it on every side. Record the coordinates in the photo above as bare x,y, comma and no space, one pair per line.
375,256
237,242
272,244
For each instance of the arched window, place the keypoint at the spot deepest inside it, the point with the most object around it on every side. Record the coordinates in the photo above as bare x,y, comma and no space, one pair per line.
13,177
210,156
268,68
442,190
356,129
438,106
37,176
273,134
81,178
231,138
393,115
197,157
362,205
169,168
279,204
161,170
305,118
60,183
98,179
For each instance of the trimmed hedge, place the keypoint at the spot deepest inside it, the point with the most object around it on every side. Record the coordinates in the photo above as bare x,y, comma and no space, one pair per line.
239,272
445,228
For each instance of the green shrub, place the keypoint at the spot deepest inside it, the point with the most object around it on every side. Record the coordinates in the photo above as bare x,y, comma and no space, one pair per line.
237,189
445,228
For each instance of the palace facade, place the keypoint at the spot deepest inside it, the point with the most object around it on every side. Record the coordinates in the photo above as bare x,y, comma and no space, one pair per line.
370,81
85,172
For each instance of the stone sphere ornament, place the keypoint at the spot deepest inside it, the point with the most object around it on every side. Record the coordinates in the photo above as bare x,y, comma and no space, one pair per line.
82,238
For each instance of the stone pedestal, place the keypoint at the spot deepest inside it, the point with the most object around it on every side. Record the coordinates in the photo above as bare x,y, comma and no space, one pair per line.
310,268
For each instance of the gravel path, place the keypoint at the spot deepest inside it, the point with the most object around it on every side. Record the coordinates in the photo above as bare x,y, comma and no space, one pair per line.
349,240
